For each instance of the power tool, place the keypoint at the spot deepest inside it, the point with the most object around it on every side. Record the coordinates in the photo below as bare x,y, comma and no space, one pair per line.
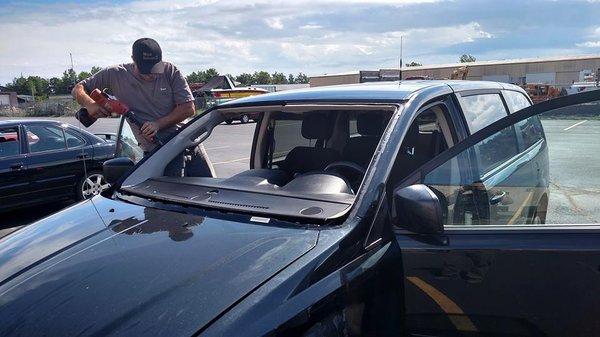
113,105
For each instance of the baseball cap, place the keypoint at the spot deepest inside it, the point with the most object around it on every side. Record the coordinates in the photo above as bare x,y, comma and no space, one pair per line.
148,56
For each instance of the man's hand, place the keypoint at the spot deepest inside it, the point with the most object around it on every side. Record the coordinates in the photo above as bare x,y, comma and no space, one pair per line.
149,130
96,110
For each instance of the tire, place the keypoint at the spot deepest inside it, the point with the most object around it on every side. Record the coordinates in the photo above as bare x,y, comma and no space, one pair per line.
90,185
244,119
229,121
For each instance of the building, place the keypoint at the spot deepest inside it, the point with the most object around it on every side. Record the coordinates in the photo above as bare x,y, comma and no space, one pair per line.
7,98
556,71
280,87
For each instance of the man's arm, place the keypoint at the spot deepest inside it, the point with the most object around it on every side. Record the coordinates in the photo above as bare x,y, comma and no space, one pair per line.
94,109
180,113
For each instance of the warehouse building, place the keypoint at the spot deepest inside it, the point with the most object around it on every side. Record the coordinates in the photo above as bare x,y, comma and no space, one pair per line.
557,71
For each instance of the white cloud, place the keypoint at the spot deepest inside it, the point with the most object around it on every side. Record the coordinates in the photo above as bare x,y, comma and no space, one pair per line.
589,44
274,23
311,36
310,26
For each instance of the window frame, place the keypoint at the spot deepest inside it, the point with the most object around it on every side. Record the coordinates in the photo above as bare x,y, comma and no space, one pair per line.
533,110
22,144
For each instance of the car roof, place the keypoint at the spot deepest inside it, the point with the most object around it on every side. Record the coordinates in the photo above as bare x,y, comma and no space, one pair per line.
374,91
30,120
48,121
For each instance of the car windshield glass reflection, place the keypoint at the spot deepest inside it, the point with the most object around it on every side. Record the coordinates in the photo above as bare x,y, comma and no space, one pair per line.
177,225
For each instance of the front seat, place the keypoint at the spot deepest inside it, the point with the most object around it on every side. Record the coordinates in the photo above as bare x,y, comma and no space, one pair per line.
302,159
360,149
412,154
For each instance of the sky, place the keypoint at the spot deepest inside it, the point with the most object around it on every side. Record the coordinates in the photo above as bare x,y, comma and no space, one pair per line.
309,36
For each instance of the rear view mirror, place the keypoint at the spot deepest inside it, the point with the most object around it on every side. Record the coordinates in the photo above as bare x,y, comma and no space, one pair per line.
418,209
114,169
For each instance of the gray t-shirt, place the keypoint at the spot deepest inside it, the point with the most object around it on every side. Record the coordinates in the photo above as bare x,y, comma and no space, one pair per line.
149,100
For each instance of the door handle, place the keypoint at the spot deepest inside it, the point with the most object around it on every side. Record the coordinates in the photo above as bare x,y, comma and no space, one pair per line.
16,167
497,198
83,156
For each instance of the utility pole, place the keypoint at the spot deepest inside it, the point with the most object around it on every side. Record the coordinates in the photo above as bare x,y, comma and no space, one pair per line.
72,66
400,66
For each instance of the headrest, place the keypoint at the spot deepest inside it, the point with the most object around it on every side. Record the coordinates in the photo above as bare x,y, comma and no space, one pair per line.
316,126
370,124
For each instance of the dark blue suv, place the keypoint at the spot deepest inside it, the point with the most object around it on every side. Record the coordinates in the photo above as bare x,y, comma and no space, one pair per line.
418,208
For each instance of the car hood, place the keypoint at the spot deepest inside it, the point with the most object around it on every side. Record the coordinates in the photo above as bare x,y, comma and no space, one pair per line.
146,272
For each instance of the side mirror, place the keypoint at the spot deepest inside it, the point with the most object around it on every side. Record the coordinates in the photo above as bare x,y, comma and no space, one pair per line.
418,209
115,168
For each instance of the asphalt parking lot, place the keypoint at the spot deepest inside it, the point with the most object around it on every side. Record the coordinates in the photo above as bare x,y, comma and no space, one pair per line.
579,189
574,184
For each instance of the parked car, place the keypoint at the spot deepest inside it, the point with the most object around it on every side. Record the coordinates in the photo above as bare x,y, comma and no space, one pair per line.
43,160
413,208
220,89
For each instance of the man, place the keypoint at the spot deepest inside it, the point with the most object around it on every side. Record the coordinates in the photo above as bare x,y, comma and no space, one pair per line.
154,89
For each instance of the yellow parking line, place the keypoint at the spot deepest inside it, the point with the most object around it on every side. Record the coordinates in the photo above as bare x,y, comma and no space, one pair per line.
521,208
461,321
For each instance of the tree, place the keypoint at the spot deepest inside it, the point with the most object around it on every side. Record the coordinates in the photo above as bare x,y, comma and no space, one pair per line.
66,82
291,79
31,85
202,76
83,75
467,58
413,64
244,78
261,77
301,78
278,78
95,69
53,84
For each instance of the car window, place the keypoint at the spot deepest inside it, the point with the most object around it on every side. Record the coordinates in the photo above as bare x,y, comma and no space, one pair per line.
287,134
496,149
553,180
482,110
73,139
352,126
516,100
9,142
42,138
127,144
531,131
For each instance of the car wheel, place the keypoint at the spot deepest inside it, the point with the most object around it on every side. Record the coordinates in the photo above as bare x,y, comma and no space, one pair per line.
91,185
229,121
539,215
244,119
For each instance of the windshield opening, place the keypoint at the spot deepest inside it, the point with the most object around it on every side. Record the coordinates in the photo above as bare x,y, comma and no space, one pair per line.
307,163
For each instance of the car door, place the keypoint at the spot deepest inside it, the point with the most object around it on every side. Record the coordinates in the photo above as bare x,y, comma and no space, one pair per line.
54,165
14,182
484,275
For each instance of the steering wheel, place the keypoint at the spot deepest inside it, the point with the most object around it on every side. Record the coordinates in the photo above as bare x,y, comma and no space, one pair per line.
353,178
346,164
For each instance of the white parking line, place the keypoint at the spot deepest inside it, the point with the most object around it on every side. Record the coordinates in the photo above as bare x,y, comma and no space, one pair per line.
231,161
574,125
217,147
